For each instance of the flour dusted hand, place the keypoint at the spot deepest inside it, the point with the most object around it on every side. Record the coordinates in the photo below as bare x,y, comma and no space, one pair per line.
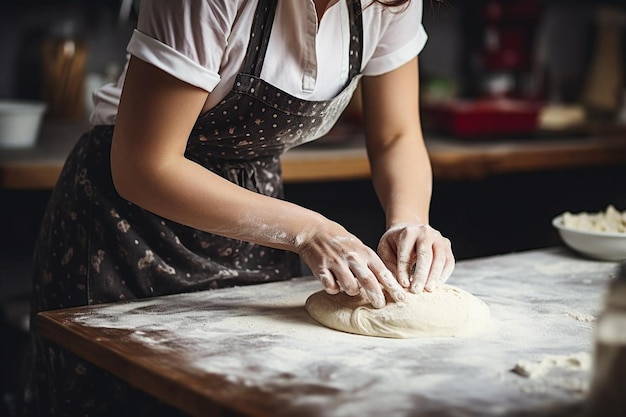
343,263
418,255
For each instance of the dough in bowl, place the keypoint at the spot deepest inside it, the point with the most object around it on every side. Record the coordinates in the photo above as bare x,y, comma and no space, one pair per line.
449,311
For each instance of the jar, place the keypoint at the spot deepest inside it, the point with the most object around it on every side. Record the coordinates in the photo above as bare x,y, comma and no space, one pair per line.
64,58
607,395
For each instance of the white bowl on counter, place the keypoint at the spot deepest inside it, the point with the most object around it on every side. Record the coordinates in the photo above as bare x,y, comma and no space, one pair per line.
20,122
606,246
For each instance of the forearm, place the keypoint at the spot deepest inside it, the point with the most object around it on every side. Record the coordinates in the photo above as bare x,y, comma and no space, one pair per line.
185,192
402,178
401,171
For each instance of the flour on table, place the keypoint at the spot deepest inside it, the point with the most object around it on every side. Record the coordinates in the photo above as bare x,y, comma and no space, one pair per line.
587,318
570,267
529,369
449,311
566,372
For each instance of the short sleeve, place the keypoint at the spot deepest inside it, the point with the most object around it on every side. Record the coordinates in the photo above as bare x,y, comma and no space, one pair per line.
186,39
401,39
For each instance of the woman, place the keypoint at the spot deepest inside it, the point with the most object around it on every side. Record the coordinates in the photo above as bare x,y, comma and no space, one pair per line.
177,187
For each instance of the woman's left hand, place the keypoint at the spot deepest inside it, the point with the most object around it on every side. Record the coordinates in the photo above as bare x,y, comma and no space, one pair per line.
418,255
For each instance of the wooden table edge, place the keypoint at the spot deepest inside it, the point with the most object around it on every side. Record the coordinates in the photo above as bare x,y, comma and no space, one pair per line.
161,384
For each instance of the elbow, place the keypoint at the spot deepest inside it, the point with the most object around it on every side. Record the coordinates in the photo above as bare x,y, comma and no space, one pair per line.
123,179
120,184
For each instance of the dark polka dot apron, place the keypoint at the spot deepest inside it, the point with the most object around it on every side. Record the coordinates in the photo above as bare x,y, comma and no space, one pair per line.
96,247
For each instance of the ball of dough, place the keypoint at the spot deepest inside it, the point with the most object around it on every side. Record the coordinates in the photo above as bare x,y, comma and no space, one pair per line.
449,311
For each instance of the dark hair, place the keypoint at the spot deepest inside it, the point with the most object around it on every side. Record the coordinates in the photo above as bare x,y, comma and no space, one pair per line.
391,3
396,3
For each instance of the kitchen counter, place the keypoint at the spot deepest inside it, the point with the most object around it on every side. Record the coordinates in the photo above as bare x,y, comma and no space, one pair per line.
342,156
255,351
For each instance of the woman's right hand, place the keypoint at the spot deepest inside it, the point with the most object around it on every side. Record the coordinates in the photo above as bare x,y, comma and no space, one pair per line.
343,263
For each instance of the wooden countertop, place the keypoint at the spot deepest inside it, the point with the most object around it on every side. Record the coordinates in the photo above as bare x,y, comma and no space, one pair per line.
255,351
342,156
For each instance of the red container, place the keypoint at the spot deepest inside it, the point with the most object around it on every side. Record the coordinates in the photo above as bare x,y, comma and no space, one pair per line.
482,118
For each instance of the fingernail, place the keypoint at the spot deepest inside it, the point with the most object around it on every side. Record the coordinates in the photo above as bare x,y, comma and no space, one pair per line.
400,296
403,279
417,289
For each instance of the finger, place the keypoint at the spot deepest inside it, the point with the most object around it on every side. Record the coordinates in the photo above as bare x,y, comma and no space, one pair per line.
391,285
435,276
445,249
392,268
448,268
422,268
346,280
387,279
404,261
389,258
328,281
369,283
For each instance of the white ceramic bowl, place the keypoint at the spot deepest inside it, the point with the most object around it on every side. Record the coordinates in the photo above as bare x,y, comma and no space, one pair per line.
605,246
20,122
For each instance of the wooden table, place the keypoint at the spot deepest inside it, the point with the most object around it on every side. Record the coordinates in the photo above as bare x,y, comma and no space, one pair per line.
342,156
254,350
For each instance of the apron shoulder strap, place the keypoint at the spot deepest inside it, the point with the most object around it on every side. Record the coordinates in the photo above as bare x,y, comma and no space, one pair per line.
356,38
259,37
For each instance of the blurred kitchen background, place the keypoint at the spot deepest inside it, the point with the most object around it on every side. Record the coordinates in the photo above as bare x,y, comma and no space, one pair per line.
495,74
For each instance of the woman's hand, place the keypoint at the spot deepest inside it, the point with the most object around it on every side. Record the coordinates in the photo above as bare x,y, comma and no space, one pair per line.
343,263
418,255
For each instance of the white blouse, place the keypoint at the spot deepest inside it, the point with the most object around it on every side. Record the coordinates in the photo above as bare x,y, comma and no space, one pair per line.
203,42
